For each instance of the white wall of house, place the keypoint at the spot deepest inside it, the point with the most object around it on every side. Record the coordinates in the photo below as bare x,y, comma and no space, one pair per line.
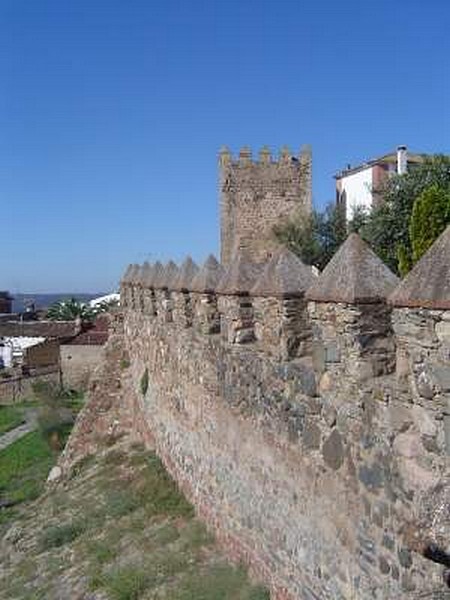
6,355
358,190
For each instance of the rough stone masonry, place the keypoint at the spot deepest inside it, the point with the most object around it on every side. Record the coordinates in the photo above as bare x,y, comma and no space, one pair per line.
326,469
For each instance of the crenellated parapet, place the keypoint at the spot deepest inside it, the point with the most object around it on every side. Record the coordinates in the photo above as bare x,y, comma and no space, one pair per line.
258,193
342,319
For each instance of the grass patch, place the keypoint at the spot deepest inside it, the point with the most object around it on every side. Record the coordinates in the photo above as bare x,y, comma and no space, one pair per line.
100,552
221,582
59,535
24,466
81,465
128,583
10,417
160,492
121,526
121,502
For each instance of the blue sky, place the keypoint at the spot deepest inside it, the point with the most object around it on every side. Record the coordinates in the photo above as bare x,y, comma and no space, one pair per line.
112,113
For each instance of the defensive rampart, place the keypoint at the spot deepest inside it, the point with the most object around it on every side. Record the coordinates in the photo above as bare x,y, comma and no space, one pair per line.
306,419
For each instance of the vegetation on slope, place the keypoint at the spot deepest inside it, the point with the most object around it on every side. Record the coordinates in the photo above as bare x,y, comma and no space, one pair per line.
10,417
117,529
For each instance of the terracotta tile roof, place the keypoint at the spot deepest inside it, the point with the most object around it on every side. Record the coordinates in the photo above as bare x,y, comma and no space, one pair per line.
284,275
46,329
209,276
188,271
427,285
239,277
355,275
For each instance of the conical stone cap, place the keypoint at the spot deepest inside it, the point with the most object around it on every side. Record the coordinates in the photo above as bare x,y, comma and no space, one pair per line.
171,273
157,273
208,277
127,274
147,278
240,276
285,275
145,272
355,275
188,271
427,285
136,274
164,275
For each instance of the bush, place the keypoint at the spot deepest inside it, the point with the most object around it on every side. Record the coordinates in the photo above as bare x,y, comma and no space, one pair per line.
56,412
128,583
387,228
429,218
59,535
314,238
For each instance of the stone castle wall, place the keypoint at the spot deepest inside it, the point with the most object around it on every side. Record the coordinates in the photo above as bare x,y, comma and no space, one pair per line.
255,195
305,473
312,436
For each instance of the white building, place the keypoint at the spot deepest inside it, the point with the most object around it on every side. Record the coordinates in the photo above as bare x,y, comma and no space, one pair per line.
13,349
357,186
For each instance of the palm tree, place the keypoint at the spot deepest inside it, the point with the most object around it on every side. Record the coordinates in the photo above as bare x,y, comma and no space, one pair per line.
69,310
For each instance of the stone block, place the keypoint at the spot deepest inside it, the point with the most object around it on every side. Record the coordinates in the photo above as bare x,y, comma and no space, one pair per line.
311,436
332,353
443,332
333,450
371,476
441,375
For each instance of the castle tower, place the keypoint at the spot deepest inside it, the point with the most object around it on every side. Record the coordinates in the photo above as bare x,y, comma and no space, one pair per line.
257,194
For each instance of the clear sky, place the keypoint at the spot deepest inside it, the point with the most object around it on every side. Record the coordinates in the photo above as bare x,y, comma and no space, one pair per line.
112,113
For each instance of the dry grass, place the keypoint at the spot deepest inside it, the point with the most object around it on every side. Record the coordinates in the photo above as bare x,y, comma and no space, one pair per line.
118,529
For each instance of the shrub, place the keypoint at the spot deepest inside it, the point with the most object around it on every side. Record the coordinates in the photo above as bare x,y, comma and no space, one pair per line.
124,363
128,583
144,382
59,535
430,216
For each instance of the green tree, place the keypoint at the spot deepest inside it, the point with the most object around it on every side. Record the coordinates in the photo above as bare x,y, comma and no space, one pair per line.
314,238
387,226
430,216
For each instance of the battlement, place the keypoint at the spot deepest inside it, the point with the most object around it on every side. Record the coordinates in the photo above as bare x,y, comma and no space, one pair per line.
244,158
344,316
256,194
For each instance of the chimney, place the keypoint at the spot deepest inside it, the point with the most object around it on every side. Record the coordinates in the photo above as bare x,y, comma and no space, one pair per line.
402,160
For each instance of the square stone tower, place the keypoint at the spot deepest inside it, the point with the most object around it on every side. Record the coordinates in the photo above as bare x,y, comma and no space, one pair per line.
256,195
